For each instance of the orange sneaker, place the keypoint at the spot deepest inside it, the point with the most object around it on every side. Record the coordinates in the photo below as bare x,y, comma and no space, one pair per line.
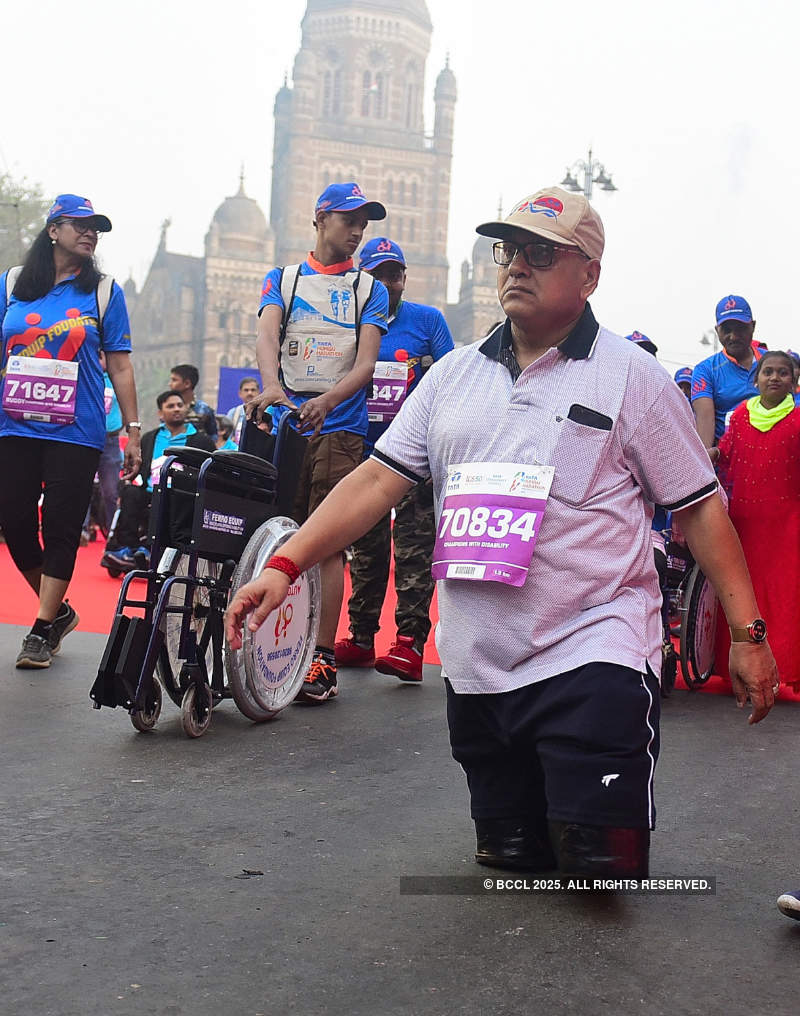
350,654
402,660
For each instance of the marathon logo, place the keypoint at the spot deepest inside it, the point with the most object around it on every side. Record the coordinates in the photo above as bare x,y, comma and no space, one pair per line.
545,205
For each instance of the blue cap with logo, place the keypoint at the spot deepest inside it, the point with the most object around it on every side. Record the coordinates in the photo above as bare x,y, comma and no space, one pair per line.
347,197
734,308
379,250
684,375
71,206
642,340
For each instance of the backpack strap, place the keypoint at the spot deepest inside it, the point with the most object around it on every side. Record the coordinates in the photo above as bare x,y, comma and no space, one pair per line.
361,304
102,295
11,280
288,284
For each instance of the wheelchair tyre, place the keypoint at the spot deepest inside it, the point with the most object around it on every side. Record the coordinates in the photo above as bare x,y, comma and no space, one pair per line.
196,709
289,636
145,719
698,630
169,660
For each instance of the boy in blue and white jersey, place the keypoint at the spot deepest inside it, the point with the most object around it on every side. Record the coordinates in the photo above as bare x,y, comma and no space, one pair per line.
319,331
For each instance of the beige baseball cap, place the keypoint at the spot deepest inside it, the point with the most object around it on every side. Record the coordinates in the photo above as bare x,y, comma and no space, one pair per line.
553,214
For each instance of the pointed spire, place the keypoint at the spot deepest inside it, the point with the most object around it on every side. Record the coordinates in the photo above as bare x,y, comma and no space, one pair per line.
162,244
241,192
500,207
447,61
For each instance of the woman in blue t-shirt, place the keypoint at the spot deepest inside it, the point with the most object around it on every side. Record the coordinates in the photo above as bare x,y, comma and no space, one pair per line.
56,312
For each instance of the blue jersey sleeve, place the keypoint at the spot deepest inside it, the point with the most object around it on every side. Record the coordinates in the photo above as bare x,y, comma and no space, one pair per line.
702,381
271,290
441,339
2,303
376,309
116,326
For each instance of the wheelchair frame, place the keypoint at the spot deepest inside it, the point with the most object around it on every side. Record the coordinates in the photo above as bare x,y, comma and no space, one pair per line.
206,509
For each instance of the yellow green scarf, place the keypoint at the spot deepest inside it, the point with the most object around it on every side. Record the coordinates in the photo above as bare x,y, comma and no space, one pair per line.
764,419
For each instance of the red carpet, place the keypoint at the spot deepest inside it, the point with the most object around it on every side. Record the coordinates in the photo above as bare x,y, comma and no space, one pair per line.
94,593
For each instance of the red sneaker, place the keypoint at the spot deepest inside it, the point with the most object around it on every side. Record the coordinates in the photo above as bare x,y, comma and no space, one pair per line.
350,654
402,660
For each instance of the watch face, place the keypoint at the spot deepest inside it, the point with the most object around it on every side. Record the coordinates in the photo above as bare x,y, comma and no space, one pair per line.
758,630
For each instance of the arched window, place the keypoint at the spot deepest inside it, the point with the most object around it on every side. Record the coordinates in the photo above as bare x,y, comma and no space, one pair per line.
414,193
366,93
411,230
337,92
401,193
390,190
379,108
411,106
399,230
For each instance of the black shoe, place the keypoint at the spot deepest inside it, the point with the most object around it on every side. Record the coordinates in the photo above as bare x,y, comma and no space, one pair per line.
320,683
601,850
63,624
35,653
511,843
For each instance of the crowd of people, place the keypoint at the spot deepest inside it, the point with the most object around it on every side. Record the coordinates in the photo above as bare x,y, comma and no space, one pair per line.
550,619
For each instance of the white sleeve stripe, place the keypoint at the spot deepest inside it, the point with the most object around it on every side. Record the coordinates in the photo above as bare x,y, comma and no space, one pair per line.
396,467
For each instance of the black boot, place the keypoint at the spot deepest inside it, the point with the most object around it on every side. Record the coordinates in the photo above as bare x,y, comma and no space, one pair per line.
513,843
601,850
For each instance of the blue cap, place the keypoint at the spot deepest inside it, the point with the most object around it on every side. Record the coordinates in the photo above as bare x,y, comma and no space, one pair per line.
734,308
379,250
71,206
346,197
683,375
642,340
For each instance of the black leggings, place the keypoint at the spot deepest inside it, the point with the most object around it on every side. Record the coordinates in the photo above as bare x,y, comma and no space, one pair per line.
64,473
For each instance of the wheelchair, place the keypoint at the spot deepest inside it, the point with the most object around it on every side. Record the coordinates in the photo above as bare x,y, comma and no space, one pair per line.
215,519
693,606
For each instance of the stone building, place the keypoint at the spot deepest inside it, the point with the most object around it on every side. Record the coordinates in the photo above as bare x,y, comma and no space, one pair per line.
202,310
355,112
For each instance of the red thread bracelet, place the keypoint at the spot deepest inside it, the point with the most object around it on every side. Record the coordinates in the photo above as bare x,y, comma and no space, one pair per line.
285,565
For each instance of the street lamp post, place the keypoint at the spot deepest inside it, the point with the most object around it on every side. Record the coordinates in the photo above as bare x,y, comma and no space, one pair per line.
593,172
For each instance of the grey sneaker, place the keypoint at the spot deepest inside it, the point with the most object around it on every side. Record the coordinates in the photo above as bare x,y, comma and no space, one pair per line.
35,653
63,625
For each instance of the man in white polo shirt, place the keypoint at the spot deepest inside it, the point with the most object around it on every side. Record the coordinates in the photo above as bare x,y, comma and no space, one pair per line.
549,632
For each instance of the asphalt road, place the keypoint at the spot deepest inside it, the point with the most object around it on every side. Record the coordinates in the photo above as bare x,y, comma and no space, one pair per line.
120,853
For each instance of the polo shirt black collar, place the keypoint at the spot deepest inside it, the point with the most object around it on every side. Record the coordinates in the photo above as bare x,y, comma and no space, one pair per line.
578,344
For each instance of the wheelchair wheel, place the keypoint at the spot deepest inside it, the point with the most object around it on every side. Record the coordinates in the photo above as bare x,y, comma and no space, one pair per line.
145,719
698,630
196,709
266,674
169,659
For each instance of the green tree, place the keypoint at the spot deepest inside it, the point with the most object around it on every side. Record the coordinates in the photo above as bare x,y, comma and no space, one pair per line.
22,212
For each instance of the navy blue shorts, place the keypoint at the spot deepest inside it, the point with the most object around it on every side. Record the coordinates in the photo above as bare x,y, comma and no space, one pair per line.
579,747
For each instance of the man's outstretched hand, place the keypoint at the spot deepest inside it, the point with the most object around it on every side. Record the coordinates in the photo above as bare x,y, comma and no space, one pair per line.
257,598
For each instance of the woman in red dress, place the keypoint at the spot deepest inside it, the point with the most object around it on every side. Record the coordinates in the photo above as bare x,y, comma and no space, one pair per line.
759,456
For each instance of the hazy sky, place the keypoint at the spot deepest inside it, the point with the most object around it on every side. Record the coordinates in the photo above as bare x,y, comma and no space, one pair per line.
150,108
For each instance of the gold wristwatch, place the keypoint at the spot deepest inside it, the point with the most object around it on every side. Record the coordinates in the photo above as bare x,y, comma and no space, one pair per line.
756,631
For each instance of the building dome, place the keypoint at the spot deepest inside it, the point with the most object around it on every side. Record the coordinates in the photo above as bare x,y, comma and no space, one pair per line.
416,10
240,216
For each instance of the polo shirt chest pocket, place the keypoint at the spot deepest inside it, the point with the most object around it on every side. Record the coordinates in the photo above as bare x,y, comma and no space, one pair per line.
581,449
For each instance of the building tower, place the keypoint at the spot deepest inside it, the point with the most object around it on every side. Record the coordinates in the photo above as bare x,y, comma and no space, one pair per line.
355,112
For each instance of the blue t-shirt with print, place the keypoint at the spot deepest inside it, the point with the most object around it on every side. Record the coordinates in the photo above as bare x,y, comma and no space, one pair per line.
62,325
419,331
350,415
726,382
166,439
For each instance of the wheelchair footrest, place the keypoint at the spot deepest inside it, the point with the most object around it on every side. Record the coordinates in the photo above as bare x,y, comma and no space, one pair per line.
121,666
